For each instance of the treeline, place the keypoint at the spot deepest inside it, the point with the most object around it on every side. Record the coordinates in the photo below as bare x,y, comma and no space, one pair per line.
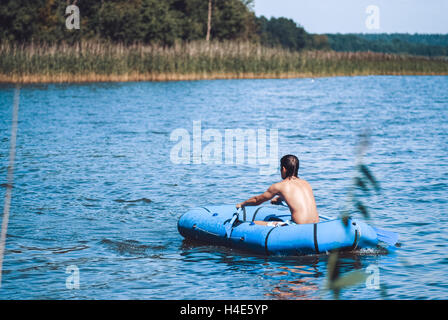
167,22
283,32
431,45
125,21
150,22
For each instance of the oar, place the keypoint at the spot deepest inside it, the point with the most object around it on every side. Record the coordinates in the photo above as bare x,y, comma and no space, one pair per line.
389,237
229,225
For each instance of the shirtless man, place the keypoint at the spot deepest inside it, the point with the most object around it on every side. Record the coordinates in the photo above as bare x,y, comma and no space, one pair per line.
296,192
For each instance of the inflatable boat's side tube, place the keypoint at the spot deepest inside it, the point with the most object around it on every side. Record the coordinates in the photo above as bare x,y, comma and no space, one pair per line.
208,224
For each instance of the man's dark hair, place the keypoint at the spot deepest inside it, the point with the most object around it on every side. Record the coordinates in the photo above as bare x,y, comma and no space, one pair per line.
291,164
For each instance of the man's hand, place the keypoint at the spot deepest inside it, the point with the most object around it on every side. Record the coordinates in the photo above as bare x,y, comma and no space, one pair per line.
276,201
239,205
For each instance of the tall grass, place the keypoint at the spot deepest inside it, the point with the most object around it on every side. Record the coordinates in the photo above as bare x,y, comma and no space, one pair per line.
102,61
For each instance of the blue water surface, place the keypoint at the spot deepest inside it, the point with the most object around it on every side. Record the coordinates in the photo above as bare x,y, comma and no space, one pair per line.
95,188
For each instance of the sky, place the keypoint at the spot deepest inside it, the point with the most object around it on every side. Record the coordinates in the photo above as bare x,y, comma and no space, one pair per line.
360,16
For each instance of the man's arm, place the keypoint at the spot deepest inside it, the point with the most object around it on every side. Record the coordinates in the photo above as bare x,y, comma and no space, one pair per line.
255,201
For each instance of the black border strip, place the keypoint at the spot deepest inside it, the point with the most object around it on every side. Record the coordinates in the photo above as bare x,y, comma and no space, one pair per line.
176,309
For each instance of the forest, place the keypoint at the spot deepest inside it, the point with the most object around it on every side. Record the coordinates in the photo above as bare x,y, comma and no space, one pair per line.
165,22
190,39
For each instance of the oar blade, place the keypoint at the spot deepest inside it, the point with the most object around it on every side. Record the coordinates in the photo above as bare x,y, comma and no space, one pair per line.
389,237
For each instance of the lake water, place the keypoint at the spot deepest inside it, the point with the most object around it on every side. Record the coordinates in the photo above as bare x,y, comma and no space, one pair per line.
95,188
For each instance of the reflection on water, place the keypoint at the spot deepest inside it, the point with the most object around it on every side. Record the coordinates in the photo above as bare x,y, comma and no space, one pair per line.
302,285
286,277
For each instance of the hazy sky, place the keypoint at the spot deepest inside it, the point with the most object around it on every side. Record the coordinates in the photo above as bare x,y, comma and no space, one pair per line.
344,16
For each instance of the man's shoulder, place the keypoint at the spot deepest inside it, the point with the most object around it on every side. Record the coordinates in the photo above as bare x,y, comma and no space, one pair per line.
281,185
305,183
277,185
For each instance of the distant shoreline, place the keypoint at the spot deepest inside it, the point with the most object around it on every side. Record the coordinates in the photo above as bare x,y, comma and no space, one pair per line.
95,78
90,61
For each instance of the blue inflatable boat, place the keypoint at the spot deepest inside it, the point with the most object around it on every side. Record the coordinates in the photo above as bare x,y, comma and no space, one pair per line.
225,225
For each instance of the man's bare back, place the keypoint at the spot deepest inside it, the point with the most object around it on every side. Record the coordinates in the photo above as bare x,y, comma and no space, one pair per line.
296,192
298,195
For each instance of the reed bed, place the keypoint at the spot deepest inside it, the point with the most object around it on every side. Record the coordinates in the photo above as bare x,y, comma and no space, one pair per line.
101,61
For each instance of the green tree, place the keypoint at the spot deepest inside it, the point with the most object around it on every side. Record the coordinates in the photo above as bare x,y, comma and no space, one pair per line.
138,21
282,32
318,42
231,19
192,18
